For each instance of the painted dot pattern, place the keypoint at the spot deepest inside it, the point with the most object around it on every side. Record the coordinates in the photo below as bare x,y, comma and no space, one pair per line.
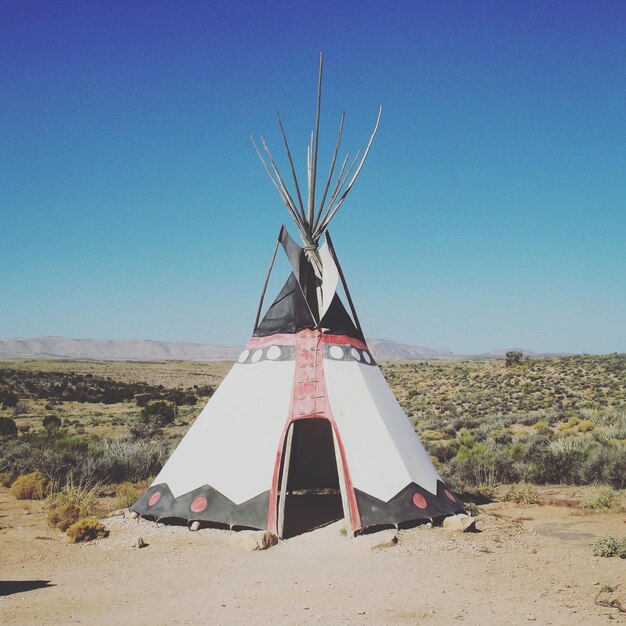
199,504
244,356
336,352
273,353
154,498
419,500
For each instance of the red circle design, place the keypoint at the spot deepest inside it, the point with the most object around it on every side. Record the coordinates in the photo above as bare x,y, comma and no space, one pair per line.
199,504
154,498
449,495
419,500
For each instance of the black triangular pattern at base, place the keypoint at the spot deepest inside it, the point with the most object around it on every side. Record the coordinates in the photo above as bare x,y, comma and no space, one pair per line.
203,504
413,503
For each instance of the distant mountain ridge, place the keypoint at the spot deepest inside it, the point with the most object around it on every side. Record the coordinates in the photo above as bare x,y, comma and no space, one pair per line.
150,350
116,349
385,349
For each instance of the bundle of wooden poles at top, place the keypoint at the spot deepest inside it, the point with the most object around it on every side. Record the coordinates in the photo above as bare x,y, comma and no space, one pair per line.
312,221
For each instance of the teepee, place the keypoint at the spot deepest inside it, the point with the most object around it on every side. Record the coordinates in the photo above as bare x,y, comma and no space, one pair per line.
304,429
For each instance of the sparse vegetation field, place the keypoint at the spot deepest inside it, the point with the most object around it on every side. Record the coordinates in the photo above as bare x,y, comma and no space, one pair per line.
485,423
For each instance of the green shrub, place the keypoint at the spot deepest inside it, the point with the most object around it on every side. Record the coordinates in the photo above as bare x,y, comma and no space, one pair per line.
86,530
51,422
614,432
604,499
73,458
605,464
528,420
30,486
610,546
521,495
123,461
8,427
158,413
141,431
432,435
22,408
9,399
205,390
514,357
64,515
560,461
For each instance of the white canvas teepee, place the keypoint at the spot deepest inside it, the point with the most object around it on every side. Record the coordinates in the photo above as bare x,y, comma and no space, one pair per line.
304,429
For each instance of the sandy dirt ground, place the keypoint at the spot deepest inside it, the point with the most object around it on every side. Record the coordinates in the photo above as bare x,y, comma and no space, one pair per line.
528,564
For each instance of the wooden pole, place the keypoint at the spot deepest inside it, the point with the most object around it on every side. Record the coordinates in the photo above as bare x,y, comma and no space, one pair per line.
267,280
314,145
330,173
356,174
283,483
293,169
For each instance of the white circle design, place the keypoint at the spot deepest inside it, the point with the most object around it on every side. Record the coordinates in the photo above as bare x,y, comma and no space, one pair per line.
356,355
273,353
257,356
243,356
336,352
367,357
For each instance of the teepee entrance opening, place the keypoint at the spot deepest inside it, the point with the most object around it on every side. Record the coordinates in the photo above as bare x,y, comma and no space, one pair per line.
310,485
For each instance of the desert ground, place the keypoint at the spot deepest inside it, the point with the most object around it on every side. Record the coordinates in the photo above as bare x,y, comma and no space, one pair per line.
527,563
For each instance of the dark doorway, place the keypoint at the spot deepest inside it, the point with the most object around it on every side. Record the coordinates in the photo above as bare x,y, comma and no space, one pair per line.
311,492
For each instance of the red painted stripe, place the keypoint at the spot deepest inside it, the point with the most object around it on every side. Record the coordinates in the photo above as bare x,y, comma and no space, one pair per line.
344,340
283,339
279,339
309,399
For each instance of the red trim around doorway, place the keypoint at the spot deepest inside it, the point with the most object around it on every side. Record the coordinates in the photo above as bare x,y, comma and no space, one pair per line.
309,399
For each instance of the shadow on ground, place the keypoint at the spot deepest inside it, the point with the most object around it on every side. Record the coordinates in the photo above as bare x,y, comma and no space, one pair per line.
9,587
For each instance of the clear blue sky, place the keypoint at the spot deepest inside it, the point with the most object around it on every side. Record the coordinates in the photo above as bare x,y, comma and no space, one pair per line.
491,212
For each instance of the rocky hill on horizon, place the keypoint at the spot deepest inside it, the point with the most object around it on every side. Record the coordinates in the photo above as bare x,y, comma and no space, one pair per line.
152,350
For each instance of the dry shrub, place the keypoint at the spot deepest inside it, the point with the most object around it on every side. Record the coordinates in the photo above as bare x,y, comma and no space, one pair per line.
30,486
86,530
83,495
126,495
64,515
585,426
6,478
489,491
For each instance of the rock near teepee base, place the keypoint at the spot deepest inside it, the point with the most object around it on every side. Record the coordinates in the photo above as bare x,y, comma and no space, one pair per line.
377,541
254,539
460,523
